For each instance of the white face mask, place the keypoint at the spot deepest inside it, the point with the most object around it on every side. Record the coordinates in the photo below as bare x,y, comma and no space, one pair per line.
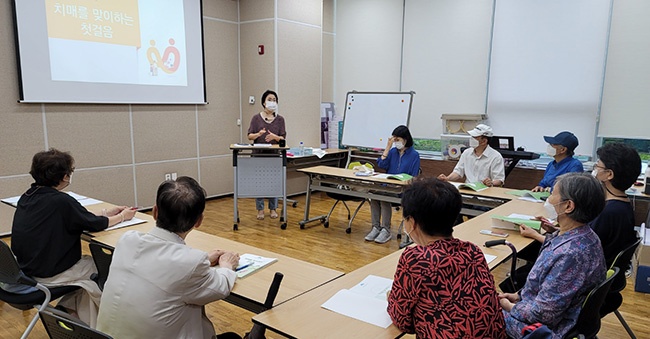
594,173
398,144
551,151
550,210
70,179
408,234
271,106
473,142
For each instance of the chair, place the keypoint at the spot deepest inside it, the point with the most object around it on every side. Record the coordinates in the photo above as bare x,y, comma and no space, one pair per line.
102,256
10,273
341,197
588,323
613,300
59,325
257,332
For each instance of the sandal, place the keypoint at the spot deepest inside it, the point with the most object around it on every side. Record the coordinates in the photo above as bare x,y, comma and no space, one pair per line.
260,215
274,214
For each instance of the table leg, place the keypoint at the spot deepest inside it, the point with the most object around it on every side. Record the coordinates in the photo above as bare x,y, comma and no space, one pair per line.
235,210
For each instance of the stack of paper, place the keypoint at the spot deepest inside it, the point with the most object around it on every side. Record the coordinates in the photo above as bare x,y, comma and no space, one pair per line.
366,301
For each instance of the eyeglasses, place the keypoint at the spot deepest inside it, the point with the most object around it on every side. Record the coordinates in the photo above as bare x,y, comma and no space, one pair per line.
602,167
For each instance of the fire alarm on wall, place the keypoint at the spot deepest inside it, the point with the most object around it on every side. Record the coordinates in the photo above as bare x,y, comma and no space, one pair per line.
260,49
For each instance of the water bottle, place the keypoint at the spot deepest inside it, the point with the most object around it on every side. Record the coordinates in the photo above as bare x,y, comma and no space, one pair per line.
301,152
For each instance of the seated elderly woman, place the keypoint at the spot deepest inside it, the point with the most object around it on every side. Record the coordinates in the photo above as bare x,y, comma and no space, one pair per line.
570,264
442,287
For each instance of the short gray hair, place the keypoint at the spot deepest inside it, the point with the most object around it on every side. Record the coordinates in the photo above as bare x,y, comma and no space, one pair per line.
586,192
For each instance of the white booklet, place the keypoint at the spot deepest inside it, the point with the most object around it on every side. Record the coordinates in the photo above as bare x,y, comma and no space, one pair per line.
126,223
249,263
366,301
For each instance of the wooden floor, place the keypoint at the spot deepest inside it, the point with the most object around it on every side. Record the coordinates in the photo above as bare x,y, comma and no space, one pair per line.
330,247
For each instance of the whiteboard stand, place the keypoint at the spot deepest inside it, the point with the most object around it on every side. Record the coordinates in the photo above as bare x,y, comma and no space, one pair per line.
371,117
259,172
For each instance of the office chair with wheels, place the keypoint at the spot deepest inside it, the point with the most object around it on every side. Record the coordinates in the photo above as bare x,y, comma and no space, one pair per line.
614,299
102,256
343,198
60,325
10,273
257,332
588,323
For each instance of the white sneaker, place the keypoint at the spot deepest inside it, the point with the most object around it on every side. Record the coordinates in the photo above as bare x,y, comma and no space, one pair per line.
383,237
374,232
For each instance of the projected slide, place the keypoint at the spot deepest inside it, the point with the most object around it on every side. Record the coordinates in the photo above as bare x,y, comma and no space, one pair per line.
110,51
125,42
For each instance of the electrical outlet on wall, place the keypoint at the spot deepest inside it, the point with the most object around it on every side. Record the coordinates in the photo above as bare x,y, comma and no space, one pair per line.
168,176
251,99
174,176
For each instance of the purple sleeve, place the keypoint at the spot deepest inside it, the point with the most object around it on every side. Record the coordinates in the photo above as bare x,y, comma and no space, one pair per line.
254,126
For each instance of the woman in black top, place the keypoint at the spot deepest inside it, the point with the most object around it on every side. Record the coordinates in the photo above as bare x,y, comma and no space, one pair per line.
47,228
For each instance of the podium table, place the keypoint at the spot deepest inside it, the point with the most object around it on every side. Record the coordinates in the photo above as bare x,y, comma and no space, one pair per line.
260,171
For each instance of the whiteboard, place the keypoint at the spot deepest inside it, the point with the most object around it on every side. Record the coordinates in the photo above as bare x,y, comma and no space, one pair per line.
371,117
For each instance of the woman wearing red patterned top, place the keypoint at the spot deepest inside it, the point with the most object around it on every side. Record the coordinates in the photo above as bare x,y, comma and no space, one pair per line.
443,287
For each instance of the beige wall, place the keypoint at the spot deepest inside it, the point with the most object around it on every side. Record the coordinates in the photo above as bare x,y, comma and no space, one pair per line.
123,151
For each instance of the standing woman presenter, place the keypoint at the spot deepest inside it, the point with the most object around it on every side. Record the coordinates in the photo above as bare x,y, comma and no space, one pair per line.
267,127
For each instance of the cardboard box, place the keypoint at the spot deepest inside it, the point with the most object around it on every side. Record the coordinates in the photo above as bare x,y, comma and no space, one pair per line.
643,255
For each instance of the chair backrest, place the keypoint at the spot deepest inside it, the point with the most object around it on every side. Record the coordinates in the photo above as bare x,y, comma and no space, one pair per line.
10,272
102,256
589,319
58,326
621,261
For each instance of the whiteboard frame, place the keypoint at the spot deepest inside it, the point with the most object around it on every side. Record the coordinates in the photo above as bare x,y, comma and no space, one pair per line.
345,116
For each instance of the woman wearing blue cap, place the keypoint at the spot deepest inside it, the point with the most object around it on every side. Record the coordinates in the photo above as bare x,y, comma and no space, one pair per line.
561,148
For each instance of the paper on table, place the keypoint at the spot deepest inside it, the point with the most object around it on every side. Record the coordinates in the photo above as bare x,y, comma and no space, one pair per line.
76,196
89,201
381,175
366,301
374,287
13,201
489,257
126,223
319,152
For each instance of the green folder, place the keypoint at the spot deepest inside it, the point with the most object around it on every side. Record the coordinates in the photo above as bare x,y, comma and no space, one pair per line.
476,186
401,177
500,221
528,193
